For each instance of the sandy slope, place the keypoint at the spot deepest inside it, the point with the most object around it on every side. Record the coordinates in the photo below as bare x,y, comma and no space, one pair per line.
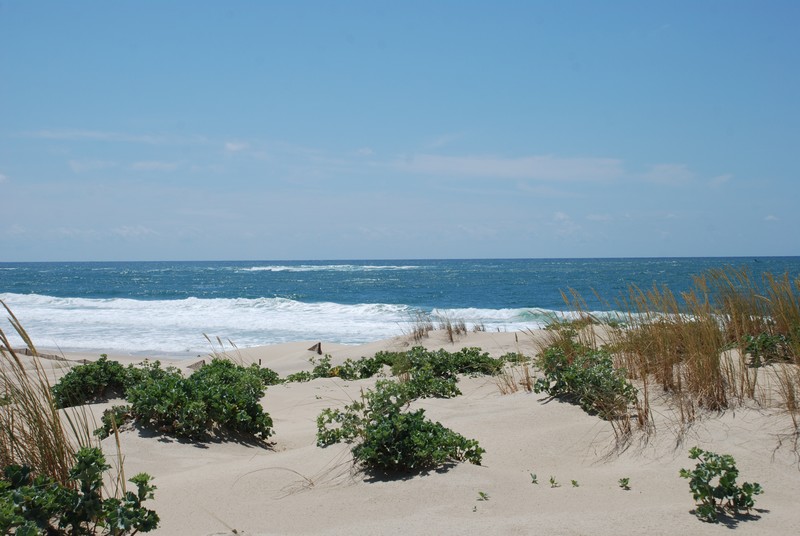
294,487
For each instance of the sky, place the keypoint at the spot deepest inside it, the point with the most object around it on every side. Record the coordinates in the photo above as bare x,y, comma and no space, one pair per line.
398,130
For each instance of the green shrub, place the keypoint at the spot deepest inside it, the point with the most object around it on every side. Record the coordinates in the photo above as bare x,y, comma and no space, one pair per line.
358,369
444,364
232,395
104,379
322,369
515,358
362,368
440,363
147,371
390,440
713,485
114,416
299,377
587,377
408,442
267,375
422,382
221,397
89,382
38,505
765,348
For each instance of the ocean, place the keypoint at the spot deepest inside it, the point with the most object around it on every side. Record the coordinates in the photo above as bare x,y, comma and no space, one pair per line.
167,308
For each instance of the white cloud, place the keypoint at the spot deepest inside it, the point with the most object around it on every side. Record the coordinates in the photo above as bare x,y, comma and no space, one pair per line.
719,180
133,231
770,217
97,135
546,168
81,166
74,232
236,146
152,165
15,230
564,225
669,174
445,139
598,217
364,151
3,177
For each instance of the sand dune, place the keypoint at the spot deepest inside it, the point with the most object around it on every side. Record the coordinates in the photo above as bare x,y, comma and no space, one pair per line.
295,487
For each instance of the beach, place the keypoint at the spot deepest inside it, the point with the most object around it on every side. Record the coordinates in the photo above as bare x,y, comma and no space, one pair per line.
291,486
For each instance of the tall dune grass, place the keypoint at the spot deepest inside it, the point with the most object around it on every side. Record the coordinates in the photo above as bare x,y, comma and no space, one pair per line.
696,348
32,431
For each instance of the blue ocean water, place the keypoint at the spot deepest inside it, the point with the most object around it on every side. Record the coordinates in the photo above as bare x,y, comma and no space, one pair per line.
166,307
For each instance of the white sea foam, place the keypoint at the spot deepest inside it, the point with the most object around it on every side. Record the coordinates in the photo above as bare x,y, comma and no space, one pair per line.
326,267
177,326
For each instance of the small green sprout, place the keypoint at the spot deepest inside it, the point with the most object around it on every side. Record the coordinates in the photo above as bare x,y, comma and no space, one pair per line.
575,483
534,478
554,483
483,496
625,483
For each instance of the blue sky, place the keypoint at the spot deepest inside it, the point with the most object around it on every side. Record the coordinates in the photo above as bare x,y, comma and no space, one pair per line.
336,130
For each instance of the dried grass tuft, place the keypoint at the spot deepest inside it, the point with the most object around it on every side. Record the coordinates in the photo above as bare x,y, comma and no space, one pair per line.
32,430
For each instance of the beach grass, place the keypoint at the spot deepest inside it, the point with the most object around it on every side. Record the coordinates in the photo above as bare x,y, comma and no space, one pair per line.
32,430
729,340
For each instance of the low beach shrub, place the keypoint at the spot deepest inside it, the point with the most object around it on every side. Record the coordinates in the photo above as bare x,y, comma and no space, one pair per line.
443,364
300,377
766,348
351,369
90,382
713,485
267,375
422,382
38,505
387,439
587,377
114,417
438,363
221,397
360,369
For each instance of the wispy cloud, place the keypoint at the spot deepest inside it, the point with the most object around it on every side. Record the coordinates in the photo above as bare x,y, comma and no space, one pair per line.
75,232
672,174
3,177
545,168
598,217
99,135
152,165
133,231
564,225
81,166
15,230
236,146
719,180
770,217
444,140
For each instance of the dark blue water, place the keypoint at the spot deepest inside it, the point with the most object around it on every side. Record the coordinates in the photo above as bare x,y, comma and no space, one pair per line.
506,283
170,304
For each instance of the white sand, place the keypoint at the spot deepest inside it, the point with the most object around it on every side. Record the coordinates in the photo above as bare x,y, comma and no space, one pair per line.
294,487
